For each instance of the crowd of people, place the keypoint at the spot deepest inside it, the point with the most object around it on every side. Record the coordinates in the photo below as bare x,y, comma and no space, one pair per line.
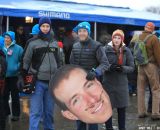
107,74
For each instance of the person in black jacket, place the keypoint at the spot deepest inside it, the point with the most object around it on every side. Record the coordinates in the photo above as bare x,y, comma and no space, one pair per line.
90,55
2,84
20,36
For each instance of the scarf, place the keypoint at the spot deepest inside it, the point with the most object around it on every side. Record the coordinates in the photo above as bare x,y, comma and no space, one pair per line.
45,37
119,53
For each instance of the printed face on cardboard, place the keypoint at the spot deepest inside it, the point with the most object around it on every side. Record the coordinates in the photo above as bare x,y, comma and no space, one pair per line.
86,100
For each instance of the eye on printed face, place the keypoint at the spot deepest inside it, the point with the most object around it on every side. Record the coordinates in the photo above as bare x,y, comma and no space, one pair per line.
45,28
82,34
117,40
7,40
85,100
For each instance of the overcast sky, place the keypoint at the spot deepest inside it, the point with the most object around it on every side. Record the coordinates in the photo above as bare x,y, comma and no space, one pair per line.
133,4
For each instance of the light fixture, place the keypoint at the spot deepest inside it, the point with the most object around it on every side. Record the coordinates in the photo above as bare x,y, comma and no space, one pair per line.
28,19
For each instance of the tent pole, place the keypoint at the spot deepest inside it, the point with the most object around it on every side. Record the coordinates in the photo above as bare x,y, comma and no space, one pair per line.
95,31
1,21
7,25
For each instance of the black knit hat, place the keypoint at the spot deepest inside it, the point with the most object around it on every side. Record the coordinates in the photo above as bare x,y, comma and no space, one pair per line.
43,20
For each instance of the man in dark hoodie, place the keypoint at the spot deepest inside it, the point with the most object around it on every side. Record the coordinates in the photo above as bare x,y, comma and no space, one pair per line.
20,36
68,42
90,55
41,58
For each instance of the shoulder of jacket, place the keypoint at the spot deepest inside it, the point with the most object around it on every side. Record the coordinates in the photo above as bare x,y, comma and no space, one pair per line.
32,39
76,44
17,46
108,48
98,43
55,43
153,39
126,49
154,36
33,42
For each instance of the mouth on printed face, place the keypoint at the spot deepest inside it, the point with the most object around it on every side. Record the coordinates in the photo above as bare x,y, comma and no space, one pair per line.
97,108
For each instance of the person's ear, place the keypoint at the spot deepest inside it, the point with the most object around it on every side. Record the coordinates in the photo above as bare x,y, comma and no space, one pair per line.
67,114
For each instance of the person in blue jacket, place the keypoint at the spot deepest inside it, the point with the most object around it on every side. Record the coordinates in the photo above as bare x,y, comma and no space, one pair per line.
13,54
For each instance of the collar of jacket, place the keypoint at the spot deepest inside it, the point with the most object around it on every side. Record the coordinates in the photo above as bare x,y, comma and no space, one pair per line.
13,43
147,32
109,47
111,44
45,37
86,42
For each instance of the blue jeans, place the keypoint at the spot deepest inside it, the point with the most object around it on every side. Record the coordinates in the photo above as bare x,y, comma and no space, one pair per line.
83,126
41,105
132,88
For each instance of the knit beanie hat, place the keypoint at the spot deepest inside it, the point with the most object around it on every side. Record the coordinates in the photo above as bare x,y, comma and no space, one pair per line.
35,29
118,32
43,20
41,35
84,25
75,29
149,26
11,34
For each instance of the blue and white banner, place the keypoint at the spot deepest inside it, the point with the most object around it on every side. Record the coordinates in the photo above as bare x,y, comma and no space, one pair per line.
76,11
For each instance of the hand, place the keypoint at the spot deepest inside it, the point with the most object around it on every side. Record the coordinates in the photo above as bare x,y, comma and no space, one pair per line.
20,82
98,73
94,73
119,68
113,67
91,75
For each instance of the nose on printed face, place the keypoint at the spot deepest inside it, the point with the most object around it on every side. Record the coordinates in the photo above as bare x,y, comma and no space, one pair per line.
91,98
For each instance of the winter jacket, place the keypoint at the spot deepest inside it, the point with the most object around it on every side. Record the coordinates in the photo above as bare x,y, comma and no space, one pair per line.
89,54
152,47
13,56
3,65
43,54
116,83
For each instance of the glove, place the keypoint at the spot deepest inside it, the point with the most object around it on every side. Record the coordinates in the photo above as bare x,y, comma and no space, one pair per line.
98,73
94,73
20,82
119,68
113,67
91,75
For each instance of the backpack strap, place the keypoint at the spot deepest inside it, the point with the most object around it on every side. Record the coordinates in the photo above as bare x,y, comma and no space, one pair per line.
147,37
